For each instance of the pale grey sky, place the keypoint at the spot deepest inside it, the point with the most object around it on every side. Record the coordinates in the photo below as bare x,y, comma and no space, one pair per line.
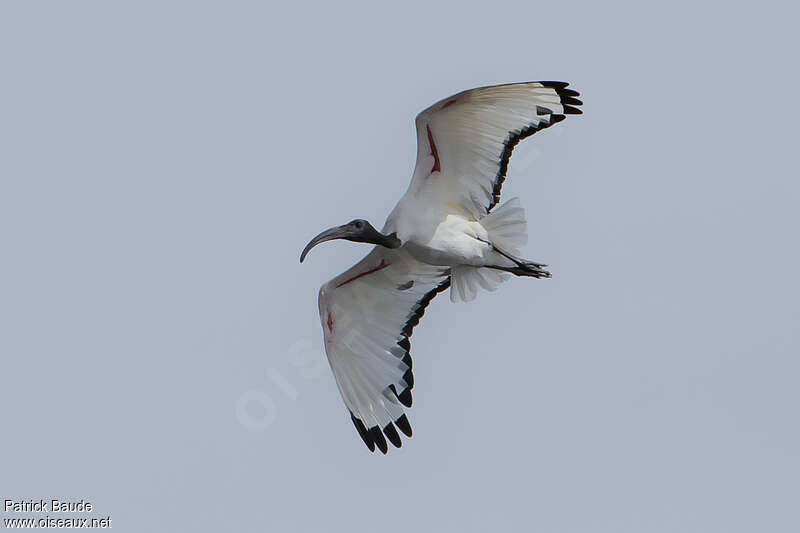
162,164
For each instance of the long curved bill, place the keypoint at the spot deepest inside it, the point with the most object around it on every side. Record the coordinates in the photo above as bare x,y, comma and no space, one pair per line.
328,235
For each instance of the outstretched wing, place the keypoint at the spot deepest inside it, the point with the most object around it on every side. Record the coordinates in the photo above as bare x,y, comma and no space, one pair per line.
464,142
368,314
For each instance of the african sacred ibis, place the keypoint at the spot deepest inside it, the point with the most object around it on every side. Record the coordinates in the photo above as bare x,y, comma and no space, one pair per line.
442,233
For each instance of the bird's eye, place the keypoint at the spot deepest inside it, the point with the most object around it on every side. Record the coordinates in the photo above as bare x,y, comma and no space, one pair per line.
359,224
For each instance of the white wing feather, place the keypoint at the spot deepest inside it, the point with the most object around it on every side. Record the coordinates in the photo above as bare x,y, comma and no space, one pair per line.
367,314
464,141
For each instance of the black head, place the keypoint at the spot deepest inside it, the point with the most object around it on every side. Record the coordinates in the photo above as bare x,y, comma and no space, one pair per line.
358,230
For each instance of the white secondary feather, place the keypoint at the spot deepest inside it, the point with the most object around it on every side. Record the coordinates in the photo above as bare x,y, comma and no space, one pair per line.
365,314
468,133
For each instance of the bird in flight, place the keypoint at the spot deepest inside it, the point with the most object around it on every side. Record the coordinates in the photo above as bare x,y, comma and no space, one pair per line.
447,231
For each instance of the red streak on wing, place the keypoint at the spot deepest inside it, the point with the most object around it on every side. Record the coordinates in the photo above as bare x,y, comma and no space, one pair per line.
383,264
449,103
330,321
434,152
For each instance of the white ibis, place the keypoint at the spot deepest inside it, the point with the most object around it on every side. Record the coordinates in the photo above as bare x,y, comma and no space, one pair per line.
444,232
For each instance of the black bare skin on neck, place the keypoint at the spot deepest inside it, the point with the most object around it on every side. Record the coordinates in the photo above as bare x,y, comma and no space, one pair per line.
390,241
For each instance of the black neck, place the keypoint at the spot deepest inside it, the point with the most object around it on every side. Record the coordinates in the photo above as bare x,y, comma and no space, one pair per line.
389,241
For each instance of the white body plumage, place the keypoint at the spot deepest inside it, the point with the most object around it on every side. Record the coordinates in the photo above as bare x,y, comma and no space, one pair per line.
446,231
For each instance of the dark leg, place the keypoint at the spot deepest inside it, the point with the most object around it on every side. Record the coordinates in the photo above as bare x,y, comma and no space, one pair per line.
527,269
523,268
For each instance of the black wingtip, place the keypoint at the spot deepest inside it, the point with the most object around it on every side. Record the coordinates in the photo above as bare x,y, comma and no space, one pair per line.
403,424
542,110
570,100
405,397
408,377
362,430
555,84
407,360
377,437
392,435
568,97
